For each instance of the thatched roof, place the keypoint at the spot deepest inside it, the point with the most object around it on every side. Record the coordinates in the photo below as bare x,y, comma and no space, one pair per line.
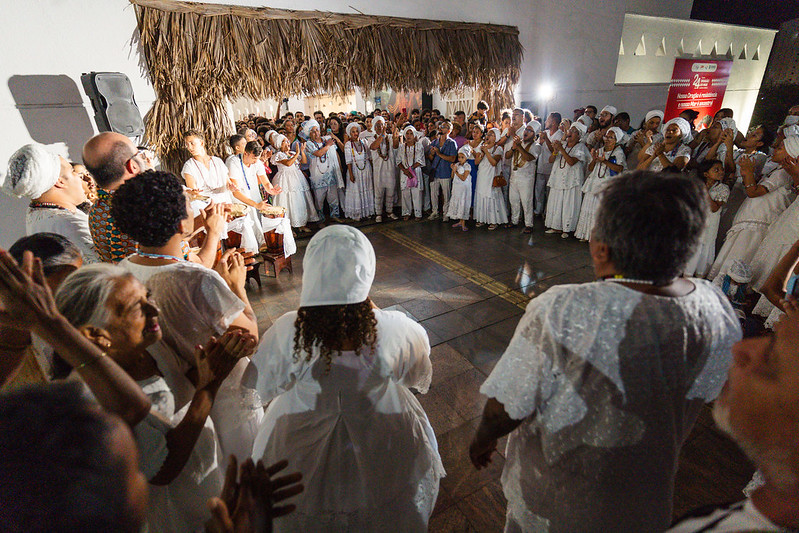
198,55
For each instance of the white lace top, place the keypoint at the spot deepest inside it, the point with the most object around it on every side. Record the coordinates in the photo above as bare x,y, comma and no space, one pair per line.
603,378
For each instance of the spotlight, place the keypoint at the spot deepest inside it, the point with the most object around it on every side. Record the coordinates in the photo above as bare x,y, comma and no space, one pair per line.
546,91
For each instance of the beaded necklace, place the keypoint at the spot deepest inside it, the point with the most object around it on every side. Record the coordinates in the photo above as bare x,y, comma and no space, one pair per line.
159,256
322,158
380,148
414,154
562,162
618,278
518,162
46,205
357,152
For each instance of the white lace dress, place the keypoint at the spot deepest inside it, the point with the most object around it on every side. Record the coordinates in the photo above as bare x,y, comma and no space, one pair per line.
702,260
751,223
460,201
489,203
359,199
565,194
367,453
608,382
296,195
596,181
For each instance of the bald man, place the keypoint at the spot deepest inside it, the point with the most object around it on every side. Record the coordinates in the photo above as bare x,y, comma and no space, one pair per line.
112,159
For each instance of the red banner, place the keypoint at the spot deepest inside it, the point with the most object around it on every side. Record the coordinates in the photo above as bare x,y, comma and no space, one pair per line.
697,84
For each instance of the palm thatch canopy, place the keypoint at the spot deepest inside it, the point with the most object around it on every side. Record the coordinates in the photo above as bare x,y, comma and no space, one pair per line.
199,55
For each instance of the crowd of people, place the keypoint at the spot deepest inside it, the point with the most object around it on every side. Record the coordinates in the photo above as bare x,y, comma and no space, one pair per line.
138,392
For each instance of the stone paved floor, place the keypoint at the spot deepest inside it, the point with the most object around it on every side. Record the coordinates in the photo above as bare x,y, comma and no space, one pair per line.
464,288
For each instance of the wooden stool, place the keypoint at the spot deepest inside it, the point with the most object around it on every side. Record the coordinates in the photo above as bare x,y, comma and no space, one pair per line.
254,274
277,261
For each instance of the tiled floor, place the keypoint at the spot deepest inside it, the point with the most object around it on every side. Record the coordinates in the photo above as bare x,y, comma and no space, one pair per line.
470,319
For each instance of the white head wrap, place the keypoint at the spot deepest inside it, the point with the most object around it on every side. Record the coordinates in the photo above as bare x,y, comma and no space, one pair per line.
377,119
278,140
406,129
582,128
466,150
350,126
34,169
685,128
269,135
791,130
728,124
621,137
653,113
610,109
791,145
585,120
308,125
338,268
790,120
497,134
534,124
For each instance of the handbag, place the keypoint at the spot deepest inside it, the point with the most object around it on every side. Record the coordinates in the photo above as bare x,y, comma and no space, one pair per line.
499,181
413,182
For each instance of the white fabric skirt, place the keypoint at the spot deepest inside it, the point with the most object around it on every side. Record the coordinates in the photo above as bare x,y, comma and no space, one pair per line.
741,243
491,208
460,201
296,197
359,199
585,224
563,209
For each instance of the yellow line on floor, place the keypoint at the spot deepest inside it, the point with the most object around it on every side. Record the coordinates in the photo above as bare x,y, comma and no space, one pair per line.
505,292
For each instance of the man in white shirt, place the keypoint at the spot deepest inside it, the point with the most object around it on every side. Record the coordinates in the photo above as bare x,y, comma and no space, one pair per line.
759,408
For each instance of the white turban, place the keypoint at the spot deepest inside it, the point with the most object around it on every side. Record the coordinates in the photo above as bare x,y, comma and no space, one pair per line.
466,150
585,120
350,126
497,134
582,128
338,267
791,145
410,128
621,137
790,120
791,130
728,124
610,109
33,170
278,143
269,135
534,124
653,113
378,118
685,128
308,125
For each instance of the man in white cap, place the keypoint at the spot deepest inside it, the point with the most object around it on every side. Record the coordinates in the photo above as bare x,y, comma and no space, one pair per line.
522,174
42,175
596,139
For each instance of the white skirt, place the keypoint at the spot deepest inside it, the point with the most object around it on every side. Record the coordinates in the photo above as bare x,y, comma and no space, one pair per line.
359,198
563,209
741,243
295,197
585,224
490,209
460,201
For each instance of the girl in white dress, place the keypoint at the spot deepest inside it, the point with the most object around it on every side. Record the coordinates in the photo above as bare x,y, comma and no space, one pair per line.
359,199
766,201
489,202
341,409
460,201
672,151
566,180
605,163
410,161
712,172
295,195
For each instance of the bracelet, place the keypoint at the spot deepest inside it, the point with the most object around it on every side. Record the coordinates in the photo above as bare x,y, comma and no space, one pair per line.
89,362
750,186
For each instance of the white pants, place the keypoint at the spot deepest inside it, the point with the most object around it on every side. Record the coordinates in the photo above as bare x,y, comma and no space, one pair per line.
440,186
426,197
414,195
521,198
388,194
541,192
330,194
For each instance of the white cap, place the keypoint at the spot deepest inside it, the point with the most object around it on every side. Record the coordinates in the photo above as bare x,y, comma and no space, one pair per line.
621,137
33,170
653,113
338,268
610,109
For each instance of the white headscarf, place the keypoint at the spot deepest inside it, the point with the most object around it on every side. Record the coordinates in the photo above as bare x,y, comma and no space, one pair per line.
378,118
33,170
685,128
790,120
350,126
621,137
338,267
582,128
308,125
791,145
535,124
585,120
728,124
406,129
654,113
497,134
279,141
466,150
269,136
791,130
610,109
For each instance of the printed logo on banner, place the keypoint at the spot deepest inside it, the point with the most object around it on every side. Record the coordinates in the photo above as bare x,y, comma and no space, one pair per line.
699,85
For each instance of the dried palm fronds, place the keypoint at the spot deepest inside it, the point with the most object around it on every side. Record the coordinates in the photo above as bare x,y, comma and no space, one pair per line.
199,55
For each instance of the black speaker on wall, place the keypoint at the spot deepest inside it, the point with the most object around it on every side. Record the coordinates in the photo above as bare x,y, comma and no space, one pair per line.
112,99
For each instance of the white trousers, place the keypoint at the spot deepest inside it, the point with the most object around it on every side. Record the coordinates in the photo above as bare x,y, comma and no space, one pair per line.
412,198
330,194
380,194
426,197
541,192
521,199
442,187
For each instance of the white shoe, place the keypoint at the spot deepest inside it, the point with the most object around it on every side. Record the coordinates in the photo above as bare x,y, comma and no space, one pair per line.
378,219
432,216
552,231
564,235
392,216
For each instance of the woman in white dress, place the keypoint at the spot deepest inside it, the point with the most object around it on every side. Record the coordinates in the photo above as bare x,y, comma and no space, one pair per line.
711,171
295,195
766,201
566,180
605,163
672,151
359,198
489,202
460,201
338,372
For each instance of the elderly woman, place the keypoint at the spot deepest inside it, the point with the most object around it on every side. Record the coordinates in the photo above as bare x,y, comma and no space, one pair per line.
42,175
672,151
360,197
602,382
489,202
179,449
339,371
325,175
566,180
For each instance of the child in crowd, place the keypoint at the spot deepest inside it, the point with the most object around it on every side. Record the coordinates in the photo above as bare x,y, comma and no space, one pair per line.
460,200
711,172
295,195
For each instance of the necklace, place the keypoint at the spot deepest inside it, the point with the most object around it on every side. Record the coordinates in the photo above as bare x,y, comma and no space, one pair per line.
356,152
380,148
618,278
518,162
562,162
414,154
158,256
46,205
243,172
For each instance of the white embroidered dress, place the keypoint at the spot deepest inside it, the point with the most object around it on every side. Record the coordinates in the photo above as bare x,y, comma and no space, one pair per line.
296,195
359,199
700,263
596,181
565,193
367,453
460,201
608,382
489,202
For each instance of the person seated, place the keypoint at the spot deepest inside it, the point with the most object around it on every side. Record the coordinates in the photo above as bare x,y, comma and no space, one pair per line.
338,372
43,175
759,409
196,302
178,447
602,382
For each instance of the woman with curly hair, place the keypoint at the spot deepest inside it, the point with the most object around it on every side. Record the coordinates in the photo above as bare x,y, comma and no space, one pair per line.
340,372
